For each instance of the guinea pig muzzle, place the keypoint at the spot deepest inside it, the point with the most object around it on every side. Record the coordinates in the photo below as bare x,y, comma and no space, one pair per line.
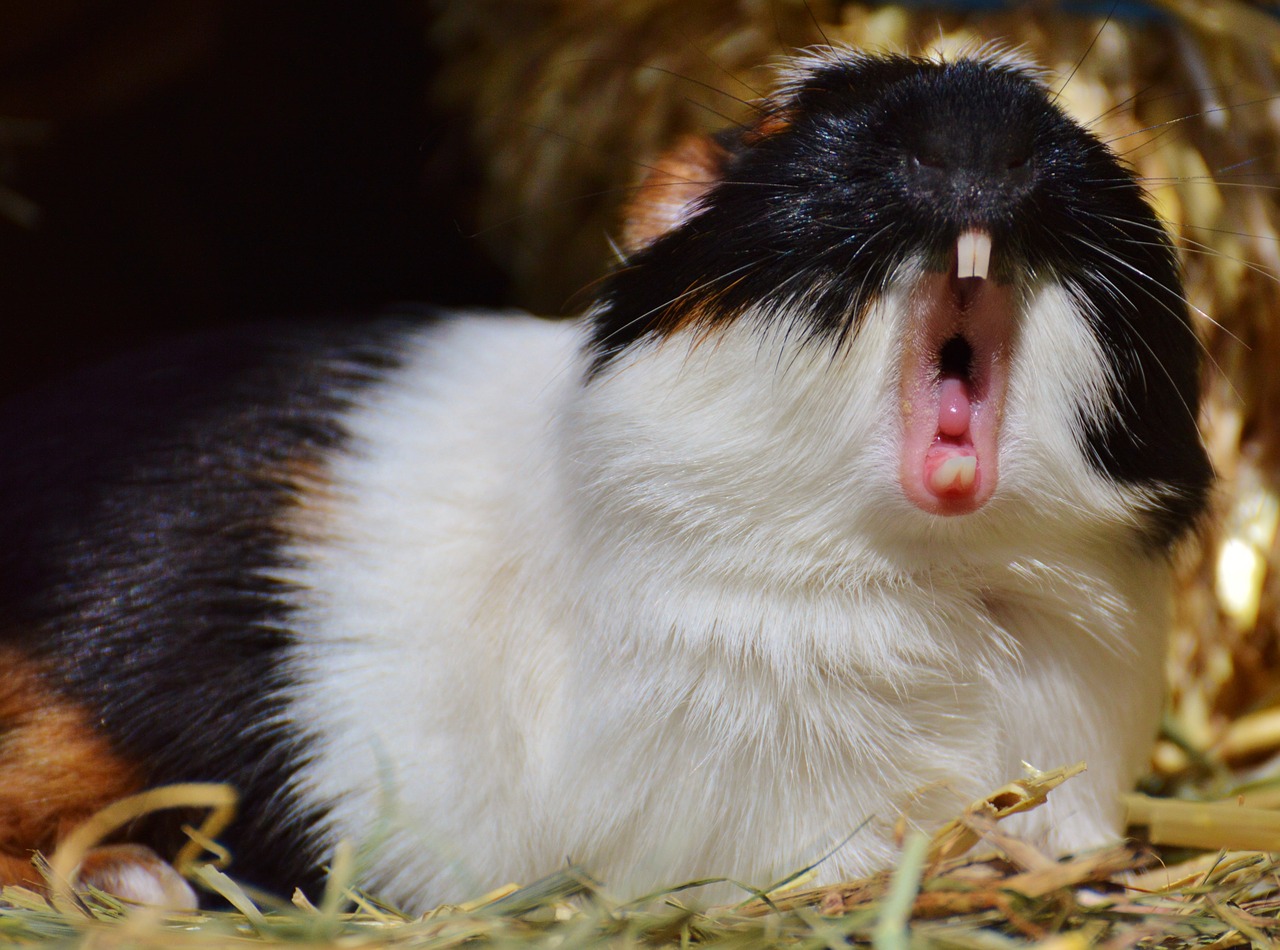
953,381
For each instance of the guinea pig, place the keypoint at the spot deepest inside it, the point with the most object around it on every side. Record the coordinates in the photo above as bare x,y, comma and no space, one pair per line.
854,489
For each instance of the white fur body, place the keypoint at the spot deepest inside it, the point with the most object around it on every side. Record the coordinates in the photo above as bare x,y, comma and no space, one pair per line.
678,620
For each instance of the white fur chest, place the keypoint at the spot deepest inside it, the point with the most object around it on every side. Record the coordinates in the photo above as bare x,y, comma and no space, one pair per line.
680,622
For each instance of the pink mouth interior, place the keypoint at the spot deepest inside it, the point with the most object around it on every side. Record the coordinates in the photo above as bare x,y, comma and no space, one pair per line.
955,412
953,386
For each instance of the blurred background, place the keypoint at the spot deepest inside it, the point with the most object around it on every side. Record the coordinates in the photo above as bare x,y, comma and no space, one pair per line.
168,165
171,165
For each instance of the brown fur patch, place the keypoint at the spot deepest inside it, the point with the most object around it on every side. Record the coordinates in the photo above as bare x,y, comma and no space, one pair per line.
58,770
665,197
312,499
701,316
775,123
306,475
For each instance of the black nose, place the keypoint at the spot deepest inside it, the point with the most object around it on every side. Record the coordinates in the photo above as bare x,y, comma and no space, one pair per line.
970,173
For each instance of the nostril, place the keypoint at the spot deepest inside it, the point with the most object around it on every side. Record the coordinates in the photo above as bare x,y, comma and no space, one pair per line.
1019,168
928,161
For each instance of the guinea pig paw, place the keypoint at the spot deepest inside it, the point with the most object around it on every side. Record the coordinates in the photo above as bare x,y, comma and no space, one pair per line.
135,873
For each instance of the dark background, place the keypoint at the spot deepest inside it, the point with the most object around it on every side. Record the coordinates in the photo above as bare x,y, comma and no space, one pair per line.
204,162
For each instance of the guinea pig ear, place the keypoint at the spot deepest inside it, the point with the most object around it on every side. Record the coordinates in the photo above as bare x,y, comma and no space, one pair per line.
669,194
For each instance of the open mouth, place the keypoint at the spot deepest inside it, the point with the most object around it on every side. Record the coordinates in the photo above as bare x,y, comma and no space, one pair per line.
953,384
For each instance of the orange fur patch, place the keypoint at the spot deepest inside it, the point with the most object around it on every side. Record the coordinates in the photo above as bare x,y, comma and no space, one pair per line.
700,317
666,196
58,770
775,123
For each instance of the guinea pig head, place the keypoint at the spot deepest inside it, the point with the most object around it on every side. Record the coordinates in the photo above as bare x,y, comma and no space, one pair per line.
943,272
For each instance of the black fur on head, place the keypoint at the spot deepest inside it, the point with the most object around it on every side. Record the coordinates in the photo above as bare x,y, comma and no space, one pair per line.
864,163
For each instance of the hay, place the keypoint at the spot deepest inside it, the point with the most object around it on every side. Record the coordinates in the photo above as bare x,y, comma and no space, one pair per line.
1007,894
221,800
575,96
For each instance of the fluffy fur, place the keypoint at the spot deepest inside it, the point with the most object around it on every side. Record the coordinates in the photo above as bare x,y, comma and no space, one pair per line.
644,590
652,585
681,622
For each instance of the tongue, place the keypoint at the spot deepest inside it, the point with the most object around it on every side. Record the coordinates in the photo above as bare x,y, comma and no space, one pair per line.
953,407
951,419
951,462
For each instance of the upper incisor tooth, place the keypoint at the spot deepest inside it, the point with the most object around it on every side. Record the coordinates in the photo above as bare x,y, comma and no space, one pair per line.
964,254
981,254
973,254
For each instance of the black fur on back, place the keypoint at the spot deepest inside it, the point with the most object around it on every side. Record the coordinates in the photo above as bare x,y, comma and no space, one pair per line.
140,520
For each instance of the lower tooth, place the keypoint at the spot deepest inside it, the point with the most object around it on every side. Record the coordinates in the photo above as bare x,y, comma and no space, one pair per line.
955,474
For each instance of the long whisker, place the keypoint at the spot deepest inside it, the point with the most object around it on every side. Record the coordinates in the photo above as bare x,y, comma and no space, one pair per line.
679,182
696,289
1085,55
718,66
1210,180
650,67
816,23
1144,280
1229,107
1248,161
1199,247
1229,233
1141,96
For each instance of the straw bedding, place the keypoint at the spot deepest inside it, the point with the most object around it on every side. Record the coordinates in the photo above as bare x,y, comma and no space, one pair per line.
575,95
